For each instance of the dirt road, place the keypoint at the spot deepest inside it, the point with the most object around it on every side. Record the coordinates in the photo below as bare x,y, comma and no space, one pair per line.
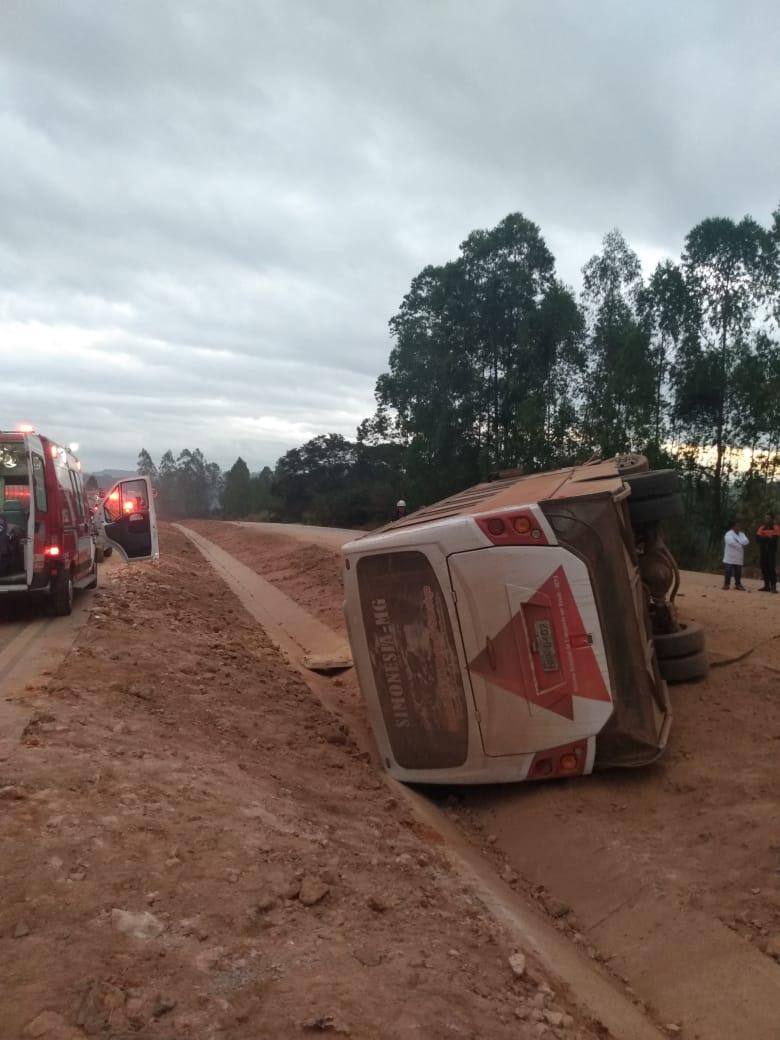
671,875
192,846
31,645
330,537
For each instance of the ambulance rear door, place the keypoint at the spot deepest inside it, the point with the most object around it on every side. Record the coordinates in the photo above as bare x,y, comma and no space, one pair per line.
130,519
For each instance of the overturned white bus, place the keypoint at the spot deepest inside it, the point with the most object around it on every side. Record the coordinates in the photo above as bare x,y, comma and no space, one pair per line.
522,629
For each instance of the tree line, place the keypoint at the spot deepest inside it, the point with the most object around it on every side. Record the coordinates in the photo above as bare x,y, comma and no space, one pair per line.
329,480
188,485
497,364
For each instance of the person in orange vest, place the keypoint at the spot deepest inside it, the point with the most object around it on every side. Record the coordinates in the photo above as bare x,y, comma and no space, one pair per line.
767,537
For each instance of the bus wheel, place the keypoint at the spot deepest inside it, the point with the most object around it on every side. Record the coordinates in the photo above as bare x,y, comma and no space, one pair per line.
689,639
684,669
651,510
61,598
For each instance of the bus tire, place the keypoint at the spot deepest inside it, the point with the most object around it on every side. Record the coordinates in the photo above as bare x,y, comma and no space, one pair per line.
650,510
684,669
688,640
656,483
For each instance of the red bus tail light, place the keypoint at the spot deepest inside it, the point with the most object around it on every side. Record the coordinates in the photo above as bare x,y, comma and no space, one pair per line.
51,551
520,528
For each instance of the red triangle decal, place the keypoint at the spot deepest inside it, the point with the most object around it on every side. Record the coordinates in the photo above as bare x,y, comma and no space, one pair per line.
551,675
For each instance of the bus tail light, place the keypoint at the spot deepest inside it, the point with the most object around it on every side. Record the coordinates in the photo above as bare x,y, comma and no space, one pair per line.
520,528
568,760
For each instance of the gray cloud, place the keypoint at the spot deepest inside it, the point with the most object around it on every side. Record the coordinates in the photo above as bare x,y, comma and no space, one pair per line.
209,211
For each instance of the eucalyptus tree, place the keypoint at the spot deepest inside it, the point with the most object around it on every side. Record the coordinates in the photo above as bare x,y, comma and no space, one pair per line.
756,404
188,485
167,499
620,386
731,273
433,385
483,364
145,466
236,491
665,309
261,495
508,270
193,483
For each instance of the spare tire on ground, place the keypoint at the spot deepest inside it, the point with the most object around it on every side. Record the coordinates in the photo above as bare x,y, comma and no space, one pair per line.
650,510
688,640
684,669
653,484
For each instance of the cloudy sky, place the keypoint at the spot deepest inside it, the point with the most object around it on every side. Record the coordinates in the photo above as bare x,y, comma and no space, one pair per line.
209,209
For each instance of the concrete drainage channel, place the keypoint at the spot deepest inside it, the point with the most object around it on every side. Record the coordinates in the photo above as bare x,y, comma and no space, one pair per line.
299,636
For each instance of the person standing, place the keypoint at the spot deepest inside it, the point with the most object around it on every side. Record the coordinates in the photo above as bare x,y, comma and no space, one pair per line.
767,537
734,542
400,509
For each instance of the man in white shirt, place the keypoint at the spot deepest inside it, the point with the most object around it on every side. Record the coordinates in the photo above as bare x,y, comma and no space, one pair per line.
734,542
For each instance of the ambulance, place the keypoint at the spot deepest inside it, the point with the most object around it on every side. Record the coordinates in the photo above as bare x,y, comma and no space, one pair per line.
47,528
524,628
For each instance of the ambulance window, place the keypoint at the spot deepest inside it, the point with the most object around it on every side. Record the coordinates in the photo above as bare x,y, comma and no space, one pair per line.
77,495
39,484
66,494
112,510
134,492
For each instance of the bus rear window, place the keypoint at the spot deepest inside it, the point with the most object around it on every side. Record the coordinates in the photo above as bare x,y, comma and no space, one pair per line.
414,660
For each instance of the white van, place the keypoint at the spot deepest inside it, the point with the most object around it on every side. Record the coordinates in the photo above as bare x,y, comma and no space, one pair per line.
507,633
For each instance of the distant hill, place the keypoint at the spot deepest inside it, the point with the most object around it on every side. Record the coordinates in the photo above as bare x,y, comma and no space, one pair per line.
107,477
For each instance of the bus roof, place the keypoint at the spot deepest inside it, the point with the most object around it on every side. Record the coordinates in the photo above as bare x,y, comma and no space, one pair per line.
572,482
